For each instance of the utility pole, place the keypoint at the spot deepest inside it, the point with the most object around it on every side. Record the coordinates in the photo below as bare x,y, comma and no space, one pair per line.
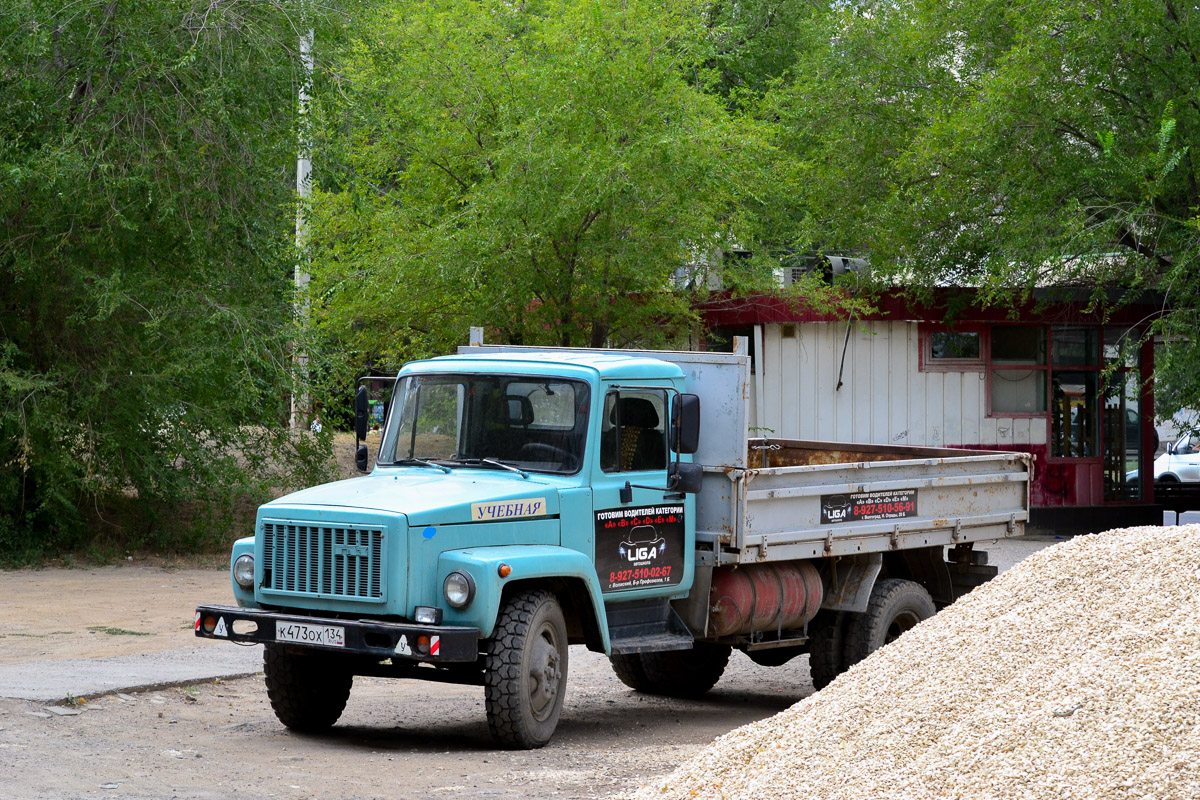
300,399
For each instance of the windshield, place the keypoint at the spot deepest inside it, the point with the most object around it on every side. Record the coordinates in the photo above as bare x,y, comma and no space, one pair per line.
537,424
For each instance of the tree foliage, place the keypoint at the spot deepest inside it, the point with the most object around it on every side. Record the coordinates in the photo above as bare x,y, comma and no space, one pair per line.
147,161
1005,146
542,169
754,43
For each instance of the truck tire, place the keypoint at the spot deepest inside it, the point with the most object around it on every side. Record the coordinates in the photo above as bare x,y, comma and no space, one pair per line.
308,691
673,673
827,641
525,676
895,607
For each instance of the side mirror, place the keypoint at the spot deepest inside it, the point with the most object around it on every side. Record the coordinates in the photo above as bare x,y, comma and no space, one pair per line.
360,414
685,424
360,457
685,478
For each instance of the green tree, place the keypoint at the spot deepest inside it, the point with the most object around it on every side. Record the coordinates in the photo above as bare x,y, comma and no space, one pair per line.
1007,146
544,169
147,162
754,43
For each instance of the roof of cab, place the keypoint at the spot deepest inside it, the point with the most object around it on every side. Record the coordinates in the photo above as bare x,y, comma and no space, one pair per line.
606,365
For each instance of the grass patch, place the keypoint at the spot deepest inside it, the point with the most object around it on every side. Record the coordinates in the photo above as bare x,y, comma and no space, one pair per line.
116,631
33,635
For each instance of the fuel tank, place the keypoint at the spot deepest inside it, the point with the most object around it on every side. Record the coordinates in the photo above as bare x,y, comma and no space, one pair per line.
763,597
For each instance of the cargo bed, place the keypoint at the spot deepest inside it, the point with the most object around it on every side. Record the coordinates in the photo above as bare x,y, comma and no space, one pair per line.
818,499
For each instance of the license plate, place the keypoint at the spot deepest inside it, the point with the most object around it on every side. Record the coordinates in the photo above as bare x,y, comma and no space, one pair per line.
303,633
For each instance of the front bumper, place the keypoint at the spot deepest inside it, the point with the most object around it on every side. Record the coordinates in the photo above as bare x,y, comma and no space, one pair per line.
395,640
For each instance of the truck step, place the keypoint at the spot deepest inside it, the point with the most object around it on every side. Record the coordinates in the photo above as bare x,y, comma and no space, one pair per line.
644,626
651,644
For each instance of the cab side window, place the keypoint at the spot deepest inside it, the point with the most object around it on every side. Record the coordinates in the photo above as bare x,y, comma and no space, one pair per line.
633,436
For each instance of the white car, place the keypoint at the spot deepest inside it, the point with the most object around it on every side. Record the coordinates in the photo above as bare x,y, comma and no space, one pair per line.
1181,462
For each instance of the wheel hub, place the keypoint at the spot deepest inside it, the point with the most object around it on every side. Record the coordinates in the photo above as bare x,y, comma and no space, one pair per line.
903,622
545,673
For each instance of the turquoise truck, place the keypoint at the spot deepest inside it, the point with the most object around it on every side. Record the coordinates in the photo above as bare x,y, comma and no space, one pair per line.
523,500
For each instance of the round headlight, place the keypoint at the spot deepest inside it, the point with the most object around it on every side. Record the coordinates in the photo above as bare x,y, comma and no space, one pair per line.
459,589
243,571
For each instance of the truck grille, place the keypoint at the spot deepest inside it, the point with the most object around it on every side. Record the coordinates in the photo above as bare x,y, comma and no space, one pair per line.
323,561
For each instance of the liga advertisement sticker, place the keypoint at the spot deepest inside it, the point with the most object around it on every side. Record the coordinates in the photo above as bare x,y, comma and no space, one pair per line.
639,548
866,506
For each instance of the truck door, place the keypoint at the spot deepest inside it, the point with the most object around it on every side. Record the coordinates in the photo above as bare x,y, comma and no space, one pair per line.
639,526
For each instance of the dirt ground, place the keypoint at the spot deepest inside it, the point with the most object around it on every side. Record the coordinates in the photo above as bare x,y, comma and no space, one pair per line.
397,739
56,614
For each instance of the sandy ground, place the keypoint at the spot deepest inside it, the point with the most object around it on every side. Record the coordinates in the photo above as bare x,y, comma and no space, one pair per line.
397,739
55,614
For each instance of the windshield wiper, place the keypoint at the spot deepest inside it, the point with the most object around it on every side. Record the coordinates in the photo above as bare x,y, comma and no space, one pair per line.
491,462
508,467
405,462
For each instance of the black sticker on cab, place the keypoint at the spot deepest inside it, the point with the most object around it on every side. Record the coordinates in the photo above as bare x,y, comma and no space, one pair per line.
639,548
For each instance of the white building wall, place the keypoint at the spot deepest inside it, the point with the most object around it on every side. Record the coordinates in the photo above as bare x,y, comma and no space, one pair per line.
884,397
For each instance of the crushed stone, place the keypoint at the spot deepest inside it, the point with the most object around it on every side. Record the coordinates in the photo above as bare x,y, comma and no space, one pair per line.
1075,674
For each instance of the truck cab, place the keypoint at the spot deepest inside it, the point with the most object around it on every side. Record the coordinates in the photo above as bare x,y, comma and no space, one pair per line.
503,481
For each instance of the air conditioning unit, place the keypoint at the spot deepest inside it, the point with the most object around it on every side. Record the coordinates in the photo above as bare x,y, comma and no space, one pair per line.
829,266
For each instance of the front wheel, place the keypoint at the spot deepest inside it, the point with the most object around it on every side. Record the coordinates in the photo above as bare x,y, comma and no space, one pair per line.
526,670
308,691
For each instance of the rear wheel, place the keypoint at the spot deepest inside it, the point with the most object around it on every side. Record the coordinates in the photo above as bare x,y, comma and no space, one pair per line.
827,637
526,670
673,673
308,691
896,606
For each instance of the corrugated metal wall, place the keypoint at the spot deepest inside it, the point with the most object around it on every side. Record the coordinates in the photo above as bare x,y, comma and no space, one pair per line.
884,397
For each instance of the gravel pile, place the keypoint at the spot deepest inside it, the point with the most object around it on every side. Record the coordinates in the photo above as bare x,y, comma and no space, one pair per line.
1076,674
